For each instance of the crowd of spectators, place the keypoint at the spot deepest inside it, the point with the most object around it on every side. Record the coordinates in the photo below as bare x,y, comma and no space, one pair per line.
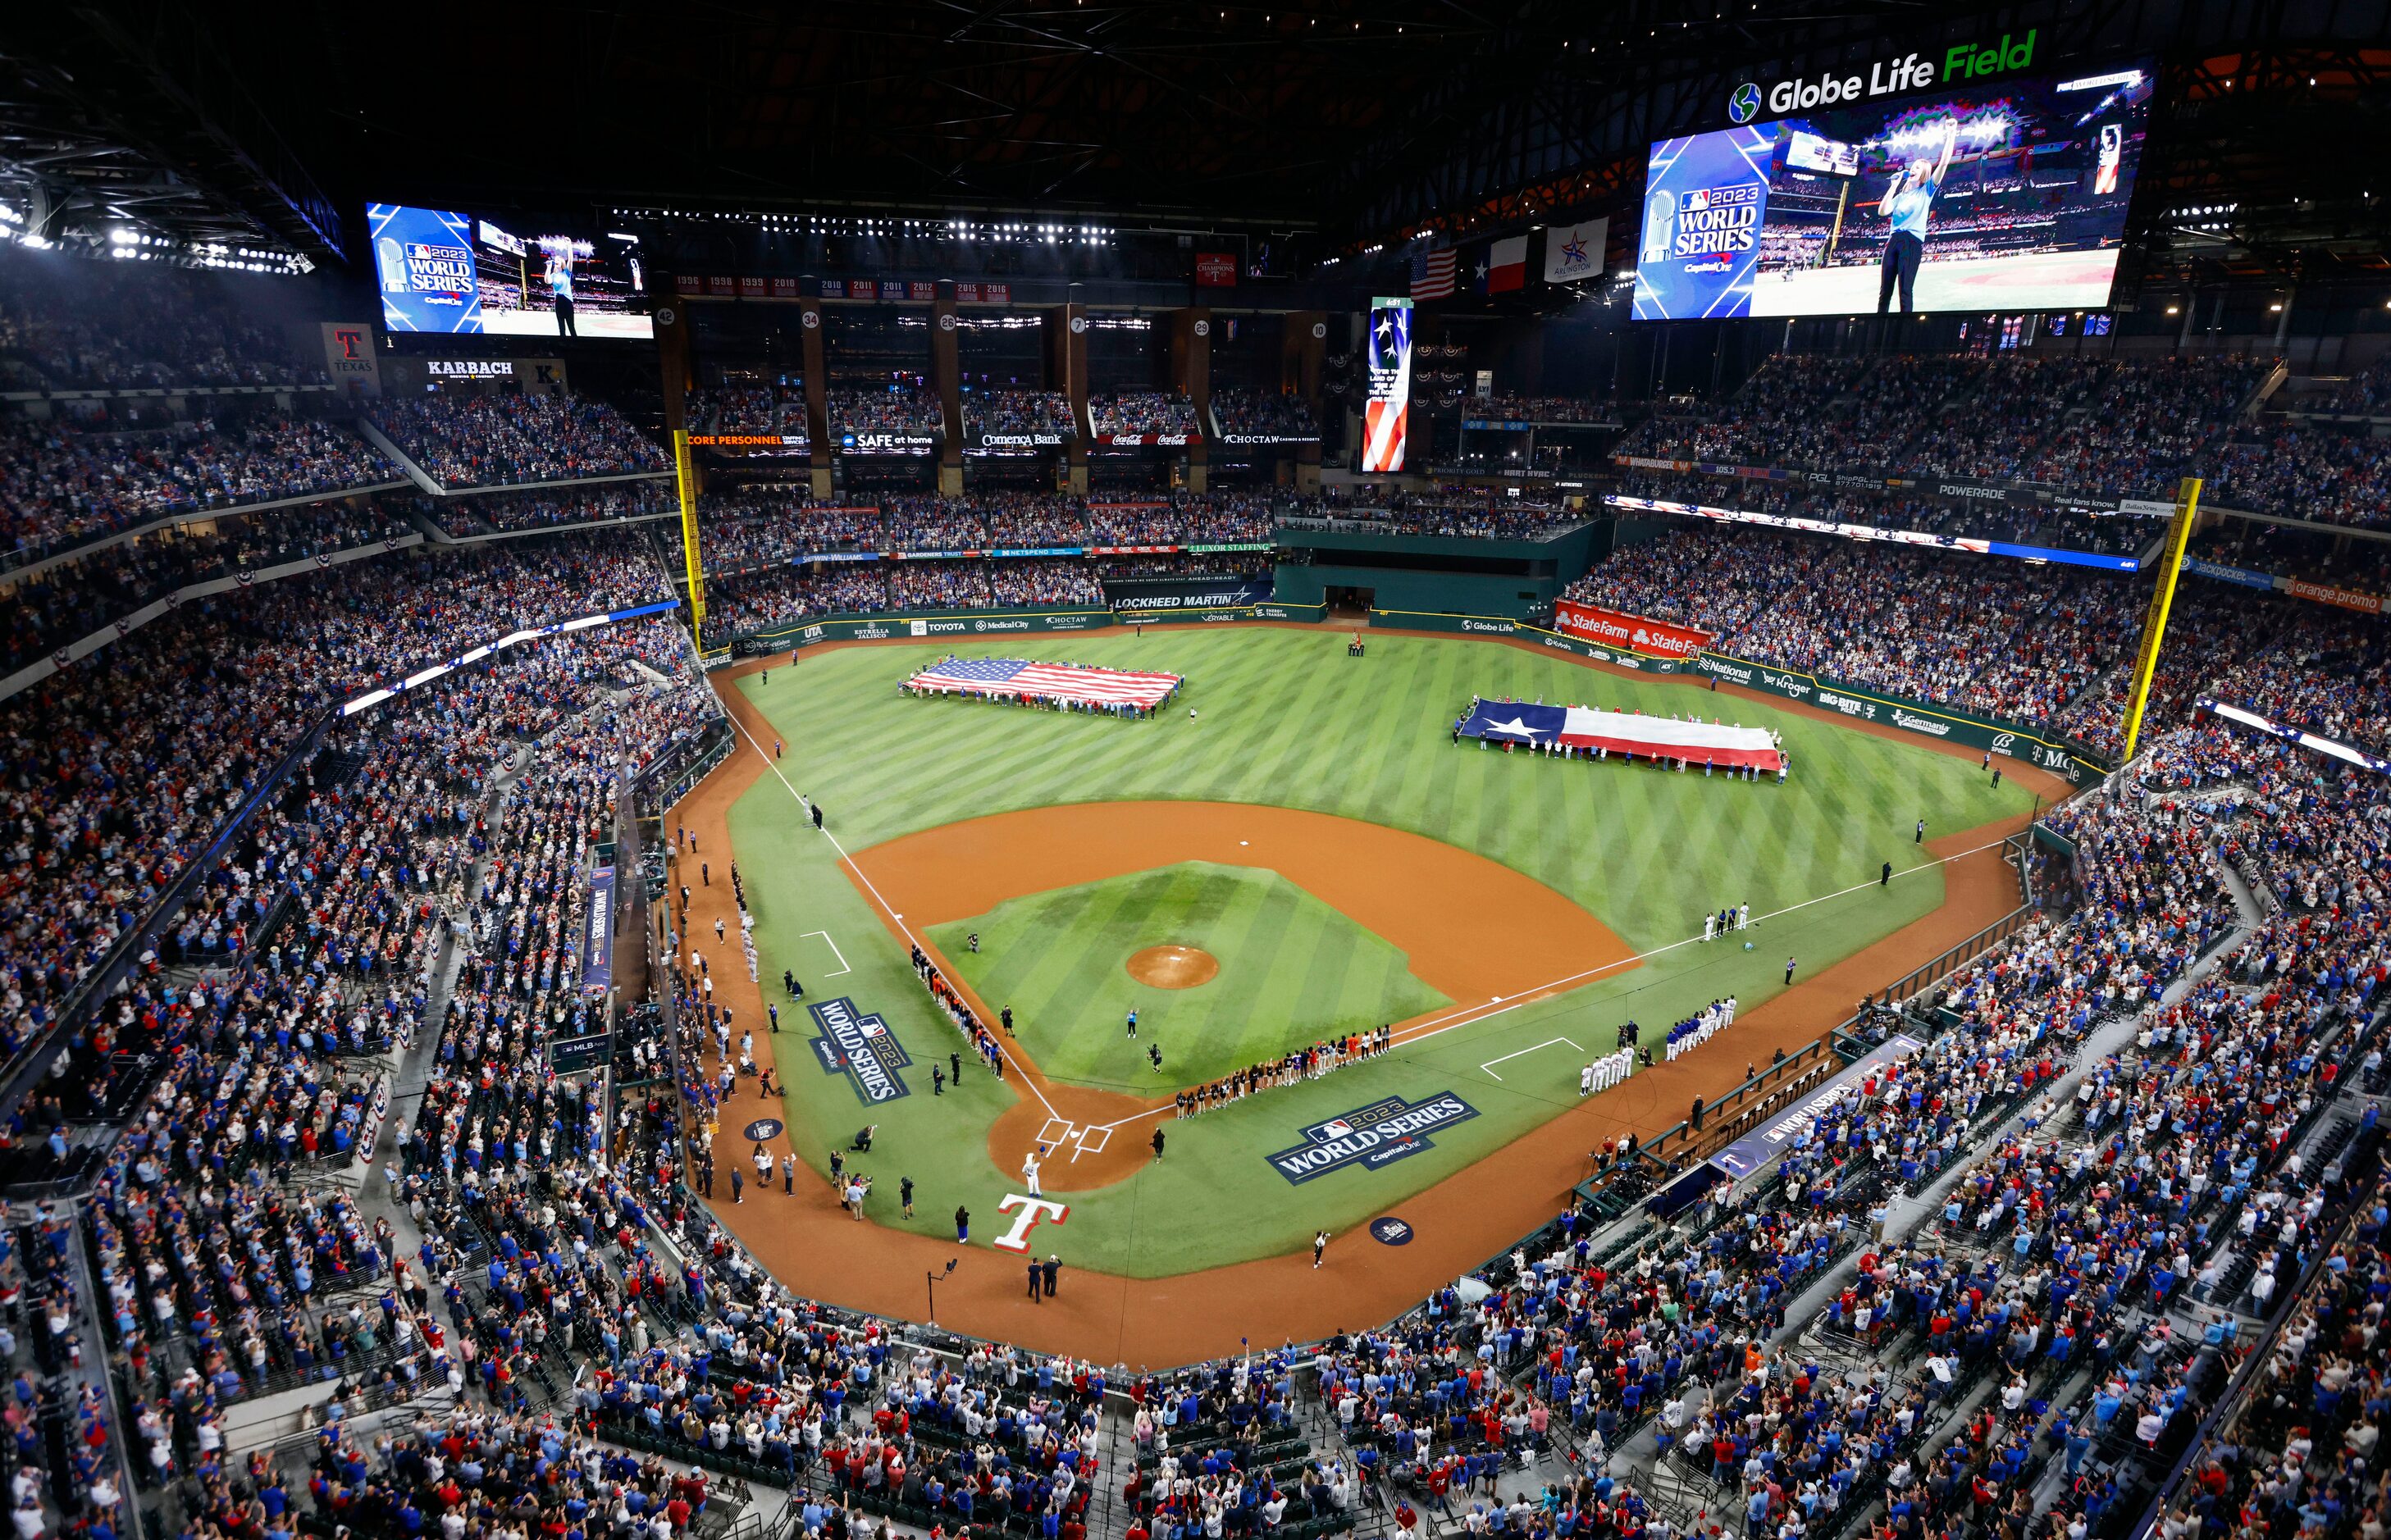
75,598
83,326
1263,413
509,438
1136,413
542,511
1017,411
2045,646
61,485
2111,427
2365,394
1561,409
904,407
759,411
2304,470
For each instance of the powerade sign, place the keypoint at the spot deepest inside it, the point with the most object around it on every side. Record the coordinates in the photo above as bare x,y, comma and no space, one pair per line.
1371,1136
1888,77
862,1049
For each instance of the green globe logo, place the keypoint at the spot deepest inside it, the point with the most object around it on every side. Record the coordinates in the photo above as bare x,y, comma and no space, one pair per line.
1744,105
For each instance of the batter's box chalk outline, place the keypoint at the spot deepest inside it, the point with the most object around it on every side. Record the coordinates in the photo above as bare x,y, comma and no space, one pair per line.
1102,1134
1050,1139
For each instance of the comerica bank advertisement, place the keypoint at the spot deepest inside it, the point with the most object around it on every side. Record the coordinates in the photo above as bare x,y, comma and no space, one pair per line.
1995,189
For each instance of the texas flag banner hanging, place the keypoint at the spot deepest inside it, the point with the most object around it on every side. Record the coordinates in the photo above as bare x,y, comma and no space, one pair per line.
1507,265
1698,743
1574,251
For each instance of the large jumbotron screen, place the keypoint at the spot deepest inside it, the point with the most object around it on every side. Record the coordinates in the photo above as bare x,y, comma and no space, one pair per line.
2008,195
444,270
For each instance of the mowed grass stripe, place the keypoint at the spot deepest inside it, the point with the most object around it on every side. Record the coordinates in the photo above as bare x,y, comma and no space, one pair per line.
1292,970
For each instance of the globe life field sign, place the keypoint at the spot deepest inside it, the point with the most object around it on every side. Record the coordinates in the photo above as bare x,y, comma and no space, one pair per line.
1890,77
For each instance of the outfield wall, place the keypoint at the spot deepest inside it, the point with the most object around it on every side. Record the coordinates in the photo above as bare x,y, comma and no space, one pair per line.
965,624
2072,762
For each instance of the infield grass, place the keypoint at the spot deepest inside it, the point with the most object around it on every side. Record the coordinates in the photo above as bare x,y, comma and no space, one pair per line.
1286,719
1293,970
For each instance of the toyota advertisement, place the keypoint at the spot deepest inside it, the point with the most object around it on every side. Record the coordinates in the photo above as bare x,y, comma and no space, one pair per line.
2003,193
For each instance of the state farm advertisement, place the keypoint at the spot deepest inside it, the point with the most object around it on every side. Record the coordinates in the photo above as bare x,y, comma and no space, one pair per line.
1613,629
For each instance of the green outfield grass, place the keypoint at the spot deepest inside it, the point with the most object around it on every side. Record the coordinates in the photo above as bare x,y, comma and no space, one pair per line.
1287,719
1293,970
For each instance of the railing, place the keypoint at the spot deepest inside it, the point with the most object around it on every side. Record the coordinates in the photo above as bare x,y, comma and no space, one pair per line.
1731,1116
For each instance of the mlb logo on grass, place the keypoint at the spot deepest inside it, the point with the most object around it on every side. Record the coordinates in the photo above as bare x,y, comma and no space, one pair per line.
1334,1128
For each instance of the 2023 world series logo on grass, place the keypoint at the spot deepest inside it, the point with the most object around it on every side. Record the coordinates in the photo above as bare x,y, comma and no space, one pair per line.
862,1048
1375,1135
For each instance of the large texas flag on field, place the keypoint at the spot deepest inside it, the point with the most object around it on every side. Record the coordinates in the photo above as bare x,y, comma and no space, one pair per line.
1622,733
1018,676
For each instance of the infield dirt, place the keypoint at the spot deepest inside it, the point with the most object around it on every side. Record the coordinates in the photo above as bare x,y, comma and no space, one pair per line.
811,1244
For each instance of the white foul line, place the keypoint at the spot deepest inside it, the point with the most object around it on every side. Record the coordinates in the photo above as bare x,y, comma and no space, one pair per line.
885,908
1489,1065
1470,1016
835,952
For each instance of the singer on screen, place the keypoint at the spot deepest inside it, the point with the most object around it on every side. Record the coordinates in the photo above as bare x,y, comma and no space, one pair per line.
1906,204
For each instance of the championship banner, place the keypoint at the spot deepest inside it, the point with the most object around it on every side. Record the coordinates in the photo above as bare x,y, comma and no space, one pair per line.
598,934
1387,417
1629,630
423,265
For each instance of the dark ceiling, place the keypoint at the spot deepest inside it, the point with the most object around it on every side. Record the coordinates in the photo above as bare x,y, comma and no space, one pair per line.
1341,121
1245,112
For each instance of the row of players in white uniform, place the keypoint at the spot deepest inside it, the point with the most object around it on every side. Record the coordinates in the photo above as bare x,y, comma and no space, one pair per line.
1737,917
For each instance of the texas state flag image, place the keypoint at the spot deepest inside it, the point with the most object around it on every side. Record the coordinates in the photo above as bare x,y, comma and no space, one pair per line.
1507,265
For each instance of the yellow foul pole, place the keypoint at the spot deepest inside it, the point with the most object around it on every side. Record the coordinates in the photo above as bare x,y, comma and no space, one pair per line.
691,566
2187,509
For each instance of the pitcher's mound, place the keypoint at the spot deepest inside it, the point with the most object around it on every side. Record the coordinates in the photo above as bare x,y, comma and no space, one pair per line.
1173,966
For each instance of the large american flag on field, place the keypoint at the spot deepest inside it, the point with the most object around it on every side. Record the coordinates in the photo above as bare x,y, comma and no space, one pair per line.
1014,676
1432,273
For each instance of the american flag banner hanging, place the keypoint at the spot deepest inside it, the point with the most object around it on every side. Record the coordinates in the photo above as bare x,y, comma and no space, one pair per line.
1432,273
1017,678
1386,417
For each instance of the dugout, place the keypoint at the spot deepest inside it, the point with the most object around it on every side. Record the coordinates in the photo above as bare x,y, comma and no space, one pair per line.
1317,559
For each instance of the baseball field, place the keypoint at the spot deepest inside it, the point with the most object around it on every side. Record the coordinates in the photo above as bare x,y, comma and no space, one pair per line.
1307,853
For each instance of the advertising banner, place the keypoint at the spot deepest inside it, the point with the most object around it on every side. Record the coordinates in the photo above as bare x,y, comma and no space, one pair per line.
883,442
1499,625
1749,1155
1133,594
1596,624
2062,757
921,624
